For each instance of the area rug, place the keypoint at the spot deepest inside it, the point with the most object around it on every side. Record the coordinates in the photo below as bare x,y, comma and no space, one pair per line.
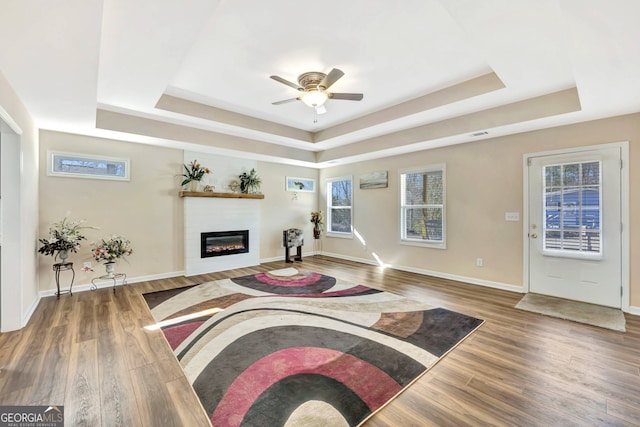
590,314
298,348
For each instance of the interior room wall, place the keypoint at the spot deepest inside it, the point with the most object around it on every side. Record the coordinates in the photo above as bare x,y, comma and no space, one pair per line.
279,210
484,180
146,209
285,209
13,106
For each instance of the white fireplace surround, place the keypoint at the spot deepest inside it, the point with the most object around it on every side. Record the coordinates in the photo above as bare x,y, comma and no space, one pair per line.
206,214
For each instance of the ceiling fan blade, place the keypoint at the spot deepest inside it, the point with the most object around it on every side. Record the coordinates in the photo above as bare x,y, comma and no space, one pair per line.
346,96
284,101
287,82
331,78
320,109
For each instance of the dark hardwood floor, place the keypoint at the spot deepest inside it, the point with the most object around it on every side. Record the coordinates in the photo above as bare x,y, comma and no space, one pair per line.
90,353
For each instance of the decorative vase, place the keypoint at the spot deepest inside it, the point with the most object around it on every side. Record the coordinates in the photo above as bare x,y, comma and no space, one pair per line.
64,254
110,268
194,185
316,232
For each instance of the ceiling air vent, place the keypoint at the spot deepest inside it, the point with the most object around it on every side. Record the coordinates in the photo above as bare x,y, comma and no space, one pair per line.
484,132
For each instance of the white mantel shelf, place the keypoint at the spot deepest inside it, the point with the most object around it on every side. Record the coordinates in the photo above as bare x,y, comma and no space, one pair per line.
220,195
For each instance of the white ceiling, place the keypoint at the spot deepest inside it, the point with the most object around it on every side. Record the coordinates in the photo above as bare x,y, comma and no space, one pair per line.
195,73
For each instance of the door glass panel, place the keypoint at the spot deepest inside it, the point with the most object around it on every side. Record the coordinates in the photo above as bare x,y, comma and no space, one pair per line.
572,208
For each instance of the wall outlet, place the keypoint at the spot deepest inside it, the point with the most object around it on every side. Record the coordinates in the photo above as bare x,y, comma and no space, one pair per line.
86,265
479,262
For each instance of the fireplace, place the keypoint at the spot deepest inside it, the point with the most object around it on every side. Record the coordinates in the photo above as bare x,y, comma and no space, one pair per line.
218,243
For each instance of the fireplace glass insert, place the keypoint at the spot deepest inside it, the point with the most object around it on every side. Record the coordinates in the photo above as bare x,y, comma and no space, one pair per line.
218,243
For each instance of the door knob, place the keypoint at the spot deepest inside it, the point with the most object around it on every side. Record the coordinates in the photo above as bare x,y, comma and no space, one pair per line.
533,235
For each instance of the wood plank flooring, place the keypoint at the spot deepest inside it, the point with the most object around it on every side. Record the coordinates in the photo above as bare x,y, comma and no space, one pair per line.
91,353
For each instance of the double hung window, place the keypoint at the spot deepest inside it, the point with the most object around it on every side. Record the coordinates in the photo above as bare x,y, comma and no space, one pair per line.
340,206
422,206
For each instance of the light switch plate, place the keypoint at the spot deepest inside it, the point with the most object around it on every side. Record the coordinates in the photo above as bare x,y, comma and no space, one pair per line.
512,216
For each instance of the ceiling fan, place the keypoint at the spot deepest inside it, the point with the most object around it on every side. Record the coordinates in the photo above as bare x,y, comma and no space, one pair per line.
313,86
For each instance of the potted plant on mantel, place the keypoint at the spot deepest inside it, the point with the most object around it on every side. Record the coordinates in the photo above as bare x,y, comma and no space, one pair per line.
250,182
194,172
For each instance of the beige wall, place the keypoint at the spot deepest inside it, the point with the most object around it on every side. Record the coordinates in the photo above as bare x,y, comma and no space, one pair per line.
484,180
280,210
146,209
12,105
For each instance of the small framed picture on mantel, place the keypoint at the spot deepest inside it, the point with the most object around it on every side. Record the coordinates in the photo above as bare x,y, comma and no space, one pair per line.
301,185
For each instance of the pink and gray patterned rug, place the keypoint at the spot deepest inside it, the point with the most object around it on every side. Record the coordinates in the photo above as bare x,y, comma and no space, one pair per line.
293,347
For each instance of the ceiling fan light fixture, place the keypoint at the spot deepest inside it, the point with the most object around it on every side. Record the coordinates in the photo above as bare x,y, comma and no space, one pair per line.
314,98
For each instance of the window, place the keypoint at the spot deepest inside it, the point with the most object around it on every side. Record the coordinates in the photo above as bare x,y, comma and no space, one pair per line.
422,212
339,206
87,166
572,208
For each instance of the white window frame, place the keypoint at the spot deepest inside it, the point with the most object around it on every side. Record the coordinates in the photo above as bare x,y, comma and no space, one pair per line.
52,155
341,234
437,244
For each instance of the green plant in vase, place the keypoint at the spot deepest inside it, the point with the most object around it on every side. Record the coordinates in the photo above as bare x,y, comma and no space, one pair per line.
194,172
250,182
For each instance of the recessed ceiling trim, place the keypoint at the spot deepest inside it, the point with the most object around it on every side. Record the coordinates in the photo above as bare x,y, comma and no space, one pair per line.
468,89
207,112
115,121
553,104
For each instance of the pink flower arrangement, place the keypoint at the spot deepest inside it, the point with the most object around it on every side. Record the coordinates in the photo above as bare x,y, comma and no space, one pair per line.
111,248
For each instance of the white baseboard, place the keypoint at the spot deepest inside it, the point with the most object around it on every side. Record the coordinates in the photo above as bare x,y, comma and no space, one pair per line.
30,311
634,310
471,280
108,284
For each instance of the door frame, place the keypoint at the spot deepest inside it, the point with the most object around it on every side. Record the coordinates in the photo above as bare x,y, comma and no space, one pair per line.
11,261
624,212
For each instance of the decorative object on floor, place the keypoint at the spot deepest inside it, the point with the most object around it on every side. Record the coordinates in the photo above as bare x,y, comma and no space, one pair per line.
377,179
590,314
291,347
194,172
317,219
292,238
111,276
64,237
250,182
64,266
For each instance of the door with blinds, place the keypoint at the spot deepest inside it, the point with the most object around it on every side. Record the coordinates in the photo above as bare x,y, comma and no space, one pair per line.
575,226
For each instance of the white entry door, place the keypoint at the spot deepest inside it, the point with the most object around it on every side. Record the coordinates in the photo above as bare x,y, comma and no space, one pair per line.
575,226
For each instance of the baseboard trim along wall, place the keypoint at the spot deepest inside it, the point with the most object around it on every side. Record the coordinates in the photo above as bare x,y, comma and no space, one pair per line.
108,284
471,280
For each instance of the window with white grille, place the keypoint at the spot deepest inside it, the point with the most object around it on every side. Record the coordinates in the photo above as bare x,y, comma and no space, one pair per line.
572,208
340,206
422,206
